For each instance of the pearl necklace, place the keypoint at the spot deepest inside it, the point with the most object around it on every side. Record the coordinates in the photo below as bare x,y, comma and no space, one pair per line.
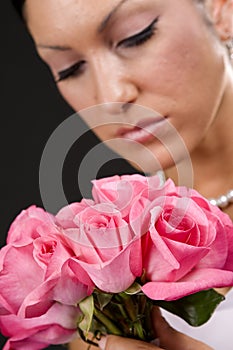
223,201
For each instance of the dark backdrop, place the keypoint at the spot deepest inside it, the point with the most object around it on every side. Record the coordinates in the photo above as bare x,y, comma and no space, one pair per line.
31,109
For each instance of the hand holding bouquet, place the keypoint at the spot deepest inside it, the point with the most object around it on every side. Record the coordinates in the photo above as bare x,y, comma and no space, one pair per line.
101,264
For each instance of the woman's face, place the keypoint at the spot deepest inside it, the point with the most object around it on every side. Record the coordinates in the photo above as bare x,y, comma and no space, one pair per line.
160,54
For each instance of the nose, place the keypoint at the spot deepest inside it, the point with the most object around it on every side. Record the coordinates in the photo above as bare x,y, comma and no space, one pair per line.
114,85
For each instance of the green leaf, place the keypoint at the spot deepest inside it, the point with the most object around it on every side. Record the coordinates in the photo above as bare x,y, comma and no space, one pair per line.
103,299
134,289
87,308
195,309
97,326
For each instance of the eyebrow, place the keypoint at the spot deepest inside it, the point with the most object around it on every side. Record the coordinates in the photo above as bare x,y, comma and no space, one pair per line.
101,28
106,20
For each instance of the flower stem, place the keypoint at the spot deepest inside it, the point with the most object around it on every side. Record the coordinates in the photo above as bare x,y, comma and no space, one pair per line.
139,330
132,311
130,307
111,327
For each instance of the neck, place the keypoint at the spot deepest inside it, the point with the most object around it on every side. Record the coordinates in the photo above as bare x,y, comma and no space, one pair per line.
212,159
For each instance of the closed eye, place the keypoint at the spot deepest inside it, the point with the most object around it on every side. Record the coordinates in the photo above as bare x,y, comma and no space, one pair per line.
75,69
141,37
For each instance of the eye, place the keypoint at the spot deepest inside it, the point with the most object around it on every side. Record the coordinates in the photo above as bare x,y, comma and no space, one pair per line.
141,37
74,70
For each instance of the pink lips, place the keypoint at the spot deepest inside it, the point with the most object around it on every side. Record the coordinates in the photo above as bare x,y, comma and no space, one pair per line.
143,132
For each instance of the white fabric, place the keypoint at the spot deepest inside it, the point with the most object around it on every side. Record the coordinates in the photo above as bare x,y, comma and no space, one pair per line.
217,332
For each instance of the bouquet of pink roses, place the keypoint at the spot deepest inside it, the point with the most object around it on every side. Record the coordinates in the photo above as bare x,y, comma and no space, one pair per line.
100,265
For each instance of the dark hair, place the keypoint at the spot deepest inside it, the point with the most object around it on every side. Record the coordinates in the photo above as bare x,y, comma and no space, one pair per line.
18,5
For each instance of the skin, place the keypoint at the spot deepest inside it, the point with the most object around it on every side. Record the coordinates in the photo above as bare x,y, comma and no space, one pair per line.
170,339
182,55
182,72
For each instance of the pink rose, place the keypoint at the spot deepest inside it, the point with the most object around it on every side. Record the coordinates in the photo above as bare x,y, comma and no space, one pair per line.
66,215
188,246
104,244
26,225
123,190
39,291
56,326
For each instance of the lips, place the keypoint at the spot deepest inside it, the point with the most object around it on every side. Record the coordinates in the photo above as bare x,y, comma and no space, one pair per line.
144,131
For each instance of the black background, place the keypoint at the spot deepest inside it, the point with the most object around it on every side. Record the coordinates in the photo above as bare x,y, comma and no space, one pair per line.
30,110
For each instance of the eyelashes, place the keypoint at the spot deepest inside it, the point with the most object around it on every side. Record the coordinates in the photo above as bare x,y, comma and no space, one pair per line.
141,37
66,73
133,41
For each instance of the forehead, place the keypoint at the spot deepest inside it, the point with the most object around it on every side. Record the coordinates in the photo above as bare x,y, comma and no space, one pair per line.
46,18
52,19
56,11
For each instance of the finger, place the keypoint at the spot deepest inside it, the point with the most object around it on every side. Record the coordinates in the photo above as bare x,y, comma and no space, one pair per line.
171,339
168,336
118,343
159,323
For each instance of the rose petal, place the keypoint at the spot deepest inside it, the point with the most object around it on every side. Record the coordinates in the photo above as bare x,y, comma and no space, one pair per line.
194,282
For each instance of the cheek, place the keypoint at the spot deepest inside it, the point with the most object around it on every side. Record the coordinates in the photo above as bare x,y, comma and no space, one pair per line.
104,133
179,69
76,95
185,88
174,69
